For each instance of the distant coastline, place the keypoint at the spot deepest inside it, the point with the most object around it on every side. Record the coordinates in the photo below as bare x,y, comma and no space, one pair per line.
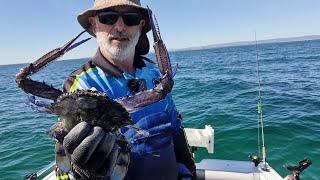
246,43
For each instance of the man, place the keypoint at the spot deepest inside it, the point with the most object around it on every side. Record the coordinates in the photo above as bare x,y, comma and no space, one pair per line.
119,70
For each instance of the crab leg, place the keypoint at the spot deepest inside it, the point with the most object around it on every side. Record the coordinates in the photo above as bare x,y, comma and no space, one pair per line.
42,89
160,49
158,93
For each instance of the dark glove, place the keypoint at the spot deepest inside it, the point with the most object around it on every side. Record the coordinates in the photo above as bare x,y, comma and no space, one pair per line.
95,153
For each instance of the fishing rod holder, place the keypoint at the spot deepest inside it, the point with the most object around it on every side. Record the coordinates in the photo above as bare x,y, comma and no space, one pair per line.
201,138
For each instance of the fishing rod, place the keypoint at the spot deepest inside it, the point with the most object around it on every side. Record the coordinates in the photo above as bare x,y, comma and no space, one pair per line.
260,112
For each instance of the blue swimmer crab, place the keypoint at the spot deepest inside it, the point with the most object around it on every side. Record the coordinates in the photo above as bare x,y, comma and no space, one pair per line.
91,106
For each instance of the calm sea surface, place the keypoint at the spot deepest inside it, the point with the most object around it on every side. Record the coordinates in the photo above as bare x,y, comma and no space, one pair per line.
216,87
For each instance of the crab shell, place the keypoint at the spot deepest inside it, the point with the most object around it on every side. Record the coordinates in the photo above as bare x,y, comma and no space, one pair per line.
90,106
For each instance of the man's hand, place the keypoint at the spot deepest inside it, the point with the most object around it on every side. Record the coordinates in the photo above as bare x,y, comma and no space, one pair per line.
95,153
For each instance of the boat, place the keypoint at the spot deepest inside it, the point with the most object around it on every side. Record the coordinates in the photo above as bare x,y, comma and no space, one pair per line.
207,169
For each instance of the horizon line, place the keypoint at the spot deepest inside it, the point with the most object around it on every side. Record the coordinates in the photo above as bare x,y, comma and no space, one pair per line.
220,45
252,42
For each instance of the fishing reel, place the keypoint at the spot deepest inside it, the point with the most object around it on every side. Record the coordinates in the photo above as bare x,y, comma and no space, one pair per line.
255,159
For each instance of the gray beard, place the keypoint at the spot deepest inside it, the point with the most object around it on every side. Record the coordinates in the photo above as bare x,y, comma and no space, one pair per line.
122,53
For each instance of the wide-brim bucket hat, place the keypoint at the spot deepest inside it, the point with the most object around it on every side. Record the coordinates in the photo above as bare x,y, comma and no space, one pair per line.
143,45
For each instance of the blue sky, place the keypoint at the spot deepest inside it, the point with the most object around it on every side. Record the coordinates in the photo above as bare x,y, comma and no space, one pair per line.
31,28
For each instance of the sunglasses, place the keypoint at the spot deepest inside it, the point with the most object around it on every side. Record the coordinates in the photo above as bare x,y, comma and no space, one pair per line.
110,18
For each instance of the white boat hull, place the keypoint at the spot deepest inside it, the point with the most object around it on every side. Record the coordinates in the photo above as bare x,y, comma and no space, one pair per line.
217,169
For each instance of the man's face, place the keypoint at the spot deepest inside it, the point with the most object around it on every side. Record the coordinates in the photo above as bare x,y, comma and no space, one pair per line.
117,36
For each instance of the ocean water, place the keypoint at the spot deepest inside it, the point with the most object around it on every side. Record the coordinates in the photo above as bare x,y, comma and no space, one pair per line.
216,87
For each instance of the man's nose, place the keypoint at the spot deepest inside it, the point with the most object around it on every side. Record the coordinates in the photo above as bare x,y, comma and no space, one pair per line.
119,25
